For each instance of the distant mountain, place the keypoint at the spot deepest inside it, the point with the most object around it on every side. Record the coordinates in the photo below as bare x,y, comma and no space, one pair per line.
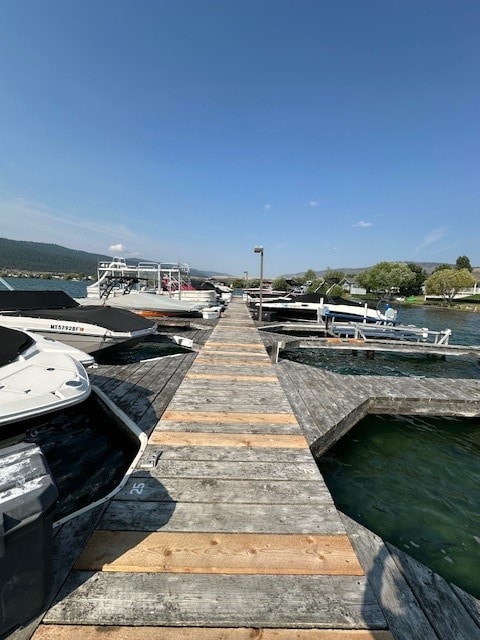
40,257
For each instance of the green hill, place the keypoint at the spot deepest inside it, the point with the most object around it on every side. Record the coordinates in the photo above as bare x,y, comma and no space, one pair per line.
39,257
22,256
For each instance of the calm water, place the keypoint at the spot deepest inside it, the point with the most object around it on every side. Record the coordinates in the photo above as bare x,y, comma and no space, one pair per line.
414,481
465,329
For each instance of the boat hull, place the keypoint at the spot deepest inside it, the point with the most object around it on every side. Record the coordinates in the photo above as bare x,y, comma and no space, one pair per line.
34,382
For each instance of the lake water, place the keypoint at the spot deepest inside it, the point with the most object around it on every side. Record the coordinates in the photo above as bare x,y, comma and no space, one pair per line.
415,481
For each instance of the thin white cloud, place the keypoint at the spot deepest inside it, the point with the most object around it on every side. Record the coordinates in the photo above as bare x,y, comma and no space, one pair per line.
313,203
21,219
268,207
431,238
363,225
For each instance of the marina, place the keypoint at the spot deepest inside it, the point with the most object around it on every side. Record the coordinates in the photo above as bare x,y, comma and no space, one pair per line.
225,528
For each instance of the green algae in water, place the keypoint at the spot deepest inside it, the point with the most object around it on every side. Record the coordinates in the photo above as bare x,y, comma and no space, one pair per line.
416,483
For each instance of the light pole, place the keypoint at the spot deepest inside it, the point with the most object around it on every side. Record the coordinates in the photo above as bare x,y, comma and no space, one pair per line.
259,250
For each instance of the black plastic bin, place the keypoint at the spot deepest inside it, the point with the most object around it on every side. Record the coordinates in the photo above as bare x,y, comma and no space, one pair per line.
27,497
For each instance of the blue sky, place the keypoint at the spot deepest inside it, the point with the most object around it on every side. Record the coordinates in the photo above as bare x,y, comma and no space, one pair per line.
334,133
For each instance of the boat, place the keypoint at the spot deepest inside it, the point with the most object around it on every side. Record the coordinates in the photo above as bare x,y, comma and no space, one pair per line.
224,292
54,314
37,377
149,289
316,307
147,305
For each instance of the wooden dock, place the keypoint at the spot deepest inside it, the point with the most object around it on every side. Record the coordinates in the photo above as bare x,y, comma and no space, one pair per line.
233,533
226,530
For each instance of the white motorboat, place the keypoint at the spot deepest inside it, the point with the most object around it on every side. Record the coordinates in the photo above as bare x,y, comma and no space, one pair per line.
36,377
149,289
54,314
315,307
147,305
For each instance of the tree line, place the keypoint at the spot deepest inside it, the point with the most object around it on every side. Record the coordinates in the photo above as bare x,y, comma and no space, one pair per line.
393,278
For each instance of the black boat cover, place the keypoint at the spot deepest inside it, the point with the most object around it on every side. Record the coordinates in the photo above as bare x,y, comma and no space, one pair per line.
12,344
35,304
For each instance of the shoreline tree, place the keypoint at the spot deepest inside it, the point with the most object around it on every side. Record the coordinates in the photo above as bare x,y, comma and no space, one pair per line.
448,282
387,277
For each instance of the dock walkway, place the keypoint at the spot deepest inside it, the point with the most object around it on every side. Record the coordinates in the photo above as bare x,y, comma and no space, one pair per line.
226,529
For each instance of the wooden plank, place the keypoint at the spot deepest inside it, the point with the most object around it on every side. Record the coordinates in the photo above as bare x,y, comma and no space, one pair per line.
236,404
64,632
233,378
244,345
252,553
234,363
224,416
230,427
228,440
218,351
162,453
471,604
405,617
217,601
445,611
148,489
227,470
221,517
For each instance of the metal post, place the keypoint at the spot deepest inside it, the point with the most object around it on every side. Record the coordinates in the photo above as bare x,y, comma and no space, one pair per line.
260,251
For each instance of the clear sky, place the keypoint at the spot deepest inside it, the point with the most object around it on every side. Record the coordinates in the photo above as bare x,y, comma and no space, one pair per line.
335,133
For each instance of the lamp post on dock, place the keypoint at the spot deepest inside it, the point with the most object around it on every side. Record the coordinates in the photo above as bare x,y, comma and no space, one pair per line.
259,249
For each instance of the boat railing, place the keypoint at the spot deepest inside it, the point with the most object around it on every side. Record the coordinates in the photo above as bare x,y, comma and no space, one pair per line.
365,331
150,276
6,284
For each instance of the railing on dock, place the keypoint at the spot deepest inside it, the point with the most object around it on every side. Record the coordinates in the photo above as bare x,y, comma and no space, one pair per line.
365,331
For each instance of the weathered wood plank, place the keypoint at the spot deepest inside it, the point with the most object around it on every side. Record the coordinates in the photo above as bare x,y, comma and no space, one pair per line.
233,378
228,427
259,470
251,553
217,600
212,490
405,617
445,611
226,417
471,604
232,405
222,517
234,363
225,454
243,345
228,440
63,632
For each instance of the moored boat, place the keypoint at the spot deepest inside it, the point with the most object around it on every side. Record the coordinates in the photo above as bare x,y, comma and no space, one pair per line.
35,378
56,315
149,289
316,307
